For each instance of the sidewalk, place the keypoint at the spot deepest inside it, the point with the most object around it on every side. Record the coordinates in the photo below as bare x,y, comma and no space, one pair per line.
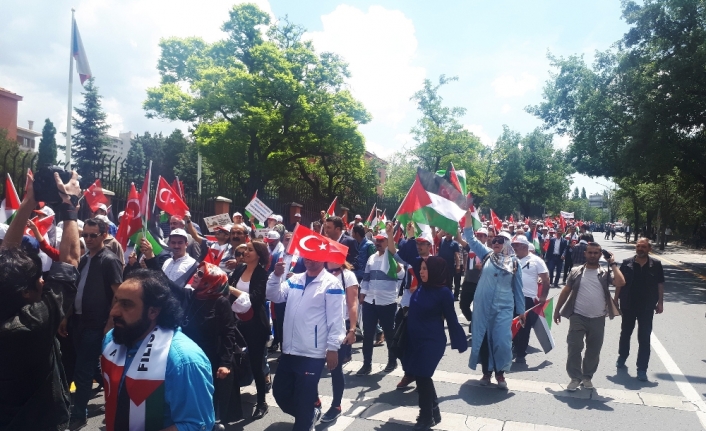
694,259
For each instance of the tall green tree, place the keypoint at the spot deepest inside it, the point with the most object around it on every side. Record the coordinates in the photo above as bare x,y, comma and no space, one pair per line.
261,101
440,135
530,171
47,145
90,137
135,164
583,193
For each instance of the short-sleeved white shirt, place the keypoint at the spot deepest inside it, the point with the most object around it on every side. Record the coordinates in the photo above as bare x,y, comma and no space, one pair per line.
350,280
532,266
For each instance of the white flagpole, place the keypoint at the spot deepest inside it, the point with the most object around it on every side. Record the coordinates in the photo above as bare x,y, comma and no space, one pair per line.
149,186
71,86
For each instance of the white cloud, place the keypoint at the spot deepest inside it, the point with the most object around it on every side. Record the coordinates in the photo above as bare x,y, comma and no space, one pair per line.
506,108
507,86
380,47
562,141
121,39
484,137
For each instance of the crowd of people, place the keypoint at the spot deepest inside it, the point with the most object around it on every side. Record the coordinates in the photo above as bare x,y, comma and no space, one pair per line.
172,335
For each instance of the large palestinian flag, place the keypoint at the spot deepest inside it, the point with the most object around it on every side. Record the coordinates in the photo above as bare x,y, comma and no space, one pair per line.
434,201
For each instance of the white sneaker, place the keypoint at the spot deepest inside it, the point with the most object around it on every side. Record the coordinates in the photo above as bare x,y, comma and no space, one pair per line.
573,385
586,383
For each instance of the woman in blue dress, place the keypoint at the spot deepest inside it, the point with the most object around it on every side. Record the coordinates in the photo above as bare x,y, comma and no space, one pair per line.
499,291
429,305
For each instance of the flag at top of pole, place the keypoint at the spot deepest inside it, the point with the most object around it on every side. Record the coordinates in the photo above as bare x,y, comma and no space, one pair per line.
79,54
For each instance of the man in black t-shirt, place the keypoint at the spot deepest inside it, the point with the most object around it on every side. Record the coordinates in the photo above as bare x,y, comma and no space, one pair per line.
640,298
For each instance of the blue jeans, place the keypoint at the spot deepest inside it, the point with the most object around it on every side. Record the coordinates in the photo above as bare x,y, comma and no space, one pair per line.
337,380
88,343
371,315
295,388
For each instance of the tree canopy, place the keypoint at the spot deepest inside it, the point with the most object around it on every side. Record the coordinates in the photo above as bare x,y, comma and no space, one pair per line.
90,137
47,145
264,97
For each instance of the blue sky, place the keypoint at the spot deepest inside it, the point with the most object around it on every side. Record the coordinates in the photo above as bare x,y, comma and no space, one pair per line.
497,49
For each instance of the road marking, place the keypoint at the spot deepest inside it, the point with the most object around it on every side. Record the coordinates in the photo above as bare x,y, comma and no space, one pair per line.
367,409
683,384
618,396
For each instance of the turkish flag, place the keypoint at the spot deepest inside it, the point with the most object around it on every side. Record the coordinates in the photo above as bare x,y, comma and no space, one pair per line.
130,224
511,219
496,221
43,225
168,200
94,196
319,248
562,223
133,201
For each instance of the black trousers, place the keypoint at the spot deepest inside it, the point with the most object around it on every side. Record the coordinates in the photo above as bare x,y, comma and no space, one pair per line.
257,345
427,397
644,330
521,340
468,291
226,398
457,283
568,264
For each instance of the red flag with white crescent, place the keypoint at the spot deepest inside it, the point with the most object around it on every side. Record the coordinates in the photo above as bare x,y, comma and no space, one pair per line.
168,199
313,246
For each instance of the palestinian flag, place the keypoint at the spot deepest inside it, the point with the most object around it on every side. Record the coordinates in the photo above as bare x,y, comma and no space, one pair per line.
434,201
331,211
11,203
389,265
535,243
475,219
248,214
373,214
156,246
542,327
381,221
457,178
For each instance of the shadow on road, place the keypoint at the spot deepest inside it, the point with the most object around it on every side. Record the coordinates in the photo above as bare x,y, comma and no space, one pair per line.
624,379
581,403
479,396
525,367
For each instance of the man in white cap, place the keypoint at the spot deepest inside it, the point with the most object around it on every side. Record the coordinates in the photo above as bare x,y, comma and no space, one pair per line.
238,219
180,267
193,248
276,248
533,270
378,294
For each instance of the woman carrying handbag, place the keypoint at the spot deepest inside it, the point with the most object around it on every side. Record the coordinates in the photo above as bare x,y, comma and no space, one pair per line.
247,293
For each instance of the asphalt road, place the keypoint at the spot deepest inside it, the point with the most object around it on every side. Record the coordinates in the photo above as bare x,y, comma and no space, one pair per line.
672,399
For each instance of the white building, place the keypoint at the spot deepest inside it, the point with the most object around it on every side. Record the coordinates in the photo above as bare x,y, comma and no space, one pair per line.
595,201
28,139
118,146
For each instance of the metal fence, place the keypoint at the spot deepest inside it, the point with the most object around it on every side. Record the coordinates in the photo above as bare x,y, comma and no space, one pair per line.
279,198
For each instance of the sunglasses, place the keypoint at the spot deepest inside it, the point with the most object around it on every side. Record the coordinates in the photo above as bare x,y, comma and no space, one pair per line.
91,235
200,273
238,254
498,240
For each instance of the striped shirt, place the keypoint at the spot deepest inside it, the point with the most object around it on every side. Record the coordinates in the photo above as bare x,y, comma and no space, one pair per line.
377,286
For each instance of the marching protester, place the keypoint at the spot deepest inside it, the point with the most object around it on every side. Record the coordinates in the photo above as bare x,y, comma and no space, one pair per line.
533,269
450,251
248,295
412,252
314,312
498,293
238,237
210,323
34,393
378,294
145,317
365,249
555,251
431,304
100,275
180,267
640,298
585,301
334,229
470,279
193,248
350,303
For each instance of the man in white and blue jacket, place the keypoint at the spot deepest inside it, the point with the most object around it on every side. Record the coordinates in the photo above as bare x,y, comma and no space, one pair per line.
313,332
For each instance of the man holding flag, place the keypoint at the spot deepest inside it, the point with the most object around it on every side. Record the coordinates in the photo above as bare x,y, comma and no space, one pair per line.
533,270
314,312
378,294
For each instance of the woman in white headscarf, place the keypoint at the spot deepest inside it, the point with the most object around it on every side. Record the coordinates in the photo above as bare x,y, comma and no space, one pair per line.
499,292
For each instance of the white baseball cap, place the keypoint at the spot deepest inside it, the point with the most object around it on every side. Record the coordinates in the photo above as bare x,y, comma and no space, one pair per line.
237,214
279,218
178,232
272,235
482,231
425,236
103,207
520,239
297,215
357,216
381,235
